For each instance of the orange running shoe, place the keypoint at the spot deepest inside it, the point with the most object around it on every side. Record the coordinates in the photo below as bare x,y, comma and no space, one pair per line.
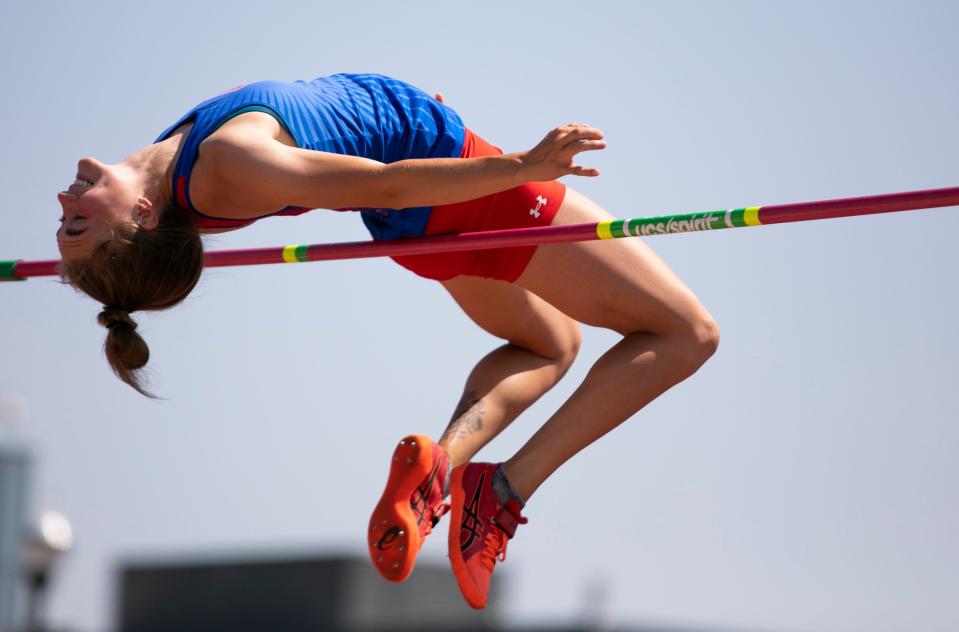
480,527
410,506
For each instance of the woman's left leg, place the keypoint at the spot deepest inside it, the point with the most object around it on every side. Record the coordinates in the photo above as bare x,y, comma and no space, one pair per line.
540,344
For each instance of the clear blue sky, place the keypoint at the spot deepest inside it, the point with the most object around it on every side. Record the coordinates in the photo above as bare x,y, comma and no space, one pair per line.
805,479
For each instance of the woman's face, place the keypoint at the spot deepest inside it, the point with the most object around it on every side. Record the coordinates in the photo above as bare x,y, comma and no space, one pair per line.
101,198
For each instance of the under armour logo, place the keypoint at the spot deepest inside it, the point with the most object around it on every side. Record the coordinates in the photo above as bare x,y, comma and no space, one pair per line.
540,203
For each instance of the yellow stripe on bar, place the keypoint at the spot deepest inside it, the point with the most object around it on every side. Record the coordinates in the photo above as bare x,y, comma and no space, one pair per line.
603,230
289,254
751,216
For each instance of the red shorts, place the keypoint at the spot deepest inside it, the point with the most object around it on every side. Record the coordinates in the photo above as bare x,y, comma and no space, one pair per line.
532,204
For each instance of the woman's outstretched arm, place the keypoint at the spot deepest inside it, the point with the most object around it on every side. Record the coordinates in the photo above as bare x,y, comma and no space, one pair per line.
259,173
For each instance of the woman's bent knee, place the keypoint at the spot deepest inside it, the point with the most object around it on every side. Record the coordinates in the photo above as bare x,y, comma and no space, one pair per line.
559,343
699,344
565,346
571,343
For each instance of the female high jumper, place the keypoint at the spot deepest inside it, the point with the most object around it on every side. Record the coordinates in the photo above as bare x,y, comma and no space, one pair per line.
130,238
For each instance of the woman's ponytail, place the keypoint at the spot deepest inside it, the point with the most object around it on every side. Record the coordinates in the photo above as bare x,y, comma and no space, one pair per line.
126,351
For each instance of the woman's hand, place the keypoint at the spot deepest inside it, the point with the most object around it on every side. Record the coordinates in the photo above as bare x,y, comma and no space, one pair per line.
553,156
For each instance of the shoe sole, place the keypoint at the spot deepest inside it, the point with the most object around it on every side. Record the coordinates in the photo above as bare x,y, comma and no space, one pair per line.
394,537
463,579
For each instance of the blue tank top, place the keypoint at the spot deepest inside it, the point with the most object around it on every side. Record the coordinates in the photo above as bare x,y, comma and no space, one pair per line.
365,115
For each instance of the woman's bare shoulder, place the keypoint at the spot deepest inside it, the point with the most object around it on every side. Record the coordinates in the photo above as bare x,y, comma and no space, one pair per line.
213,188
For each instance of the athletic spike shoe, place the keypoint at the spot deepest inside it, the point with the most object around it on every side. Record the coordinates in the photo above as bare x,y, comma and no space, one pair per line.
410,506
480,527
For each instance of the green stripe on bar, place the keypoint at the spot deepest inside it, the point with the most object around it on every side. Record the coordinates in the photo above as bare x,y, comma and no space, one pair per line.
301,254
737,217
6,271
616,228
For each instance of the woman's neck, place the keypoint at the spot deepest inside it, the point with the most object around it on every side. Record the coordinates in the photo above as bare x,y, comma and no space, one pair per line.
154,165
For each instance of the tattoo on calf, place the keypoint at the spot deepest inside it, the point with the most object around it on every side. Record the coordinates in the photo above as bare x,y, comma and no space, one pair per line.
468,417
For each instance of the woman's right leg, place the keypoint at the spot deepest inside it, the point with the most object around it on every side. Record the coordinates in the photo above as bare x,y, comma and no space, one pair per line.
624,286
667,334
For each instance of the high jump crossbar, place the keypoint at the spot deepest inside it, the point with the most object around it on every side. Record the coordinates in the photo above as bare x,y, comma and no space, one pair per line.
18,270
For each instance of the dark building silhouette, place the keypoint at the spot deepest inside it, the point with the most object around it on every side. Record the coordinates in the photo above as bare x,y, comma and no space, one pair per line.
339,593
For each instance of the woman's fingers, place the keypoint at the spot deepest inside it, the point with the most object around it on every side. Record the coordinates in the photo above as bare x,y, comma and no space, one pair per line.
569,134
590,172
553,156
583,133
579,138
586,145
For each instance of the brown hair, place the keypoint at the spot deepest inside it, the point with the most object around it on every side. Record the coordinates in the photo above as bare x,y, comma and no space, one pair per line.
138,269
